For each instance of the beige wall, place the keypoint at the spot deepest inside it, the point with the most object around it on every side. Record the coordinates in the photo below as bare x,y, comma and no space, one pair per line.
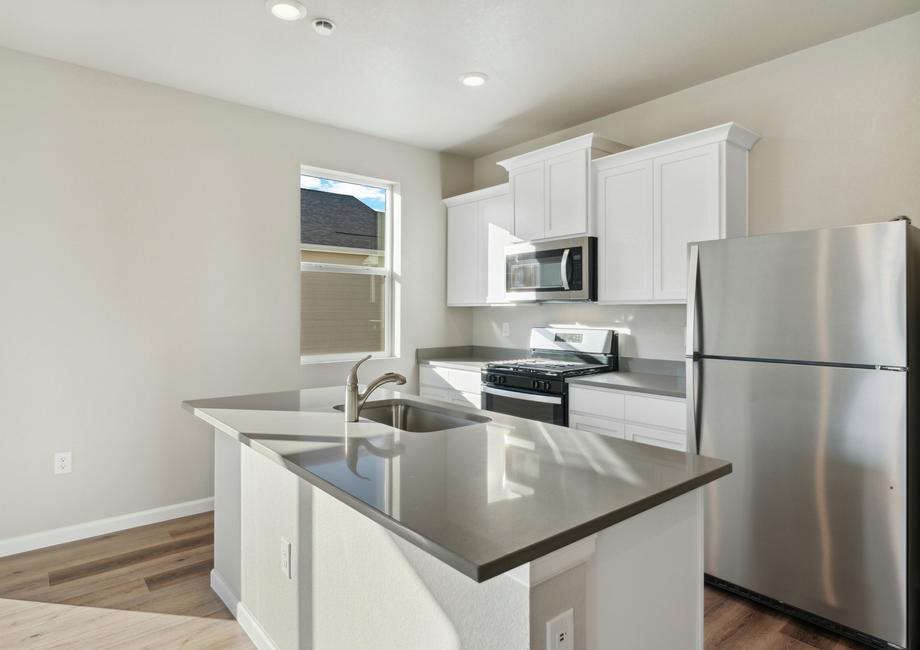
840,127
149,243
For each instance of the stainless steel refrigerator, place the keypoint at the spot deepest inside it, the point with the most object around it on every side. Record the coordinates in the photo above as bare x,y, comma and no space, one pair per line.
802,350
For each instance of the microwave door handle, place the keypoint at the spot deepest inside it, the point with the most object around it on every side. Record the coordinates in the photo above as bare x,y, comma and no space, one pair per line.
564,264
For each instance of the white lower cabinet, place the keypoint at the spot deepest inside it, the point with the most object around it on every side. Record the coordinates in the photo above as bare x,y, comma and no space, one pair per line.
658,437
434,393
650,419
591,424
461,387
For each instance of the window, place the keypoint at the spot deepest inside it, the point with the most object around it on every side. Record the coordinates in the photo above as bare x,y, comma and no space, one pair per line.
345,265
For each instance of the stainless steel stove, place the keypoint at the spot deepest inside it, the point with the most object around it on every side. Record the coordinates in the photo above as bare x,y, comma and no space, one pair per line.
535,387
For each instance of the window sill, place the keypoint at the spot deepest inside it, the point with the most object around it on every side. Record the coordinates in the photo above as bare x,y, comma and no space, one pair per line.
327,359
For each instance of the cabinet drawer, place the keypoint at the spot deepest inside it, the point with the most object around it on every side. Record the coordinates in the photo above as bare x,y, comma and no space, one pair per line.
596,401
657,437
465,381
466,399
602,426
434,377
657,411
434,393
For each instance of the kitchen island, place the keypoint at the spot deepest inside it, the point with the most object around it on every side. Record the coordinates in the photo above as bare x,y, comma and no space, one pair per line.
331,534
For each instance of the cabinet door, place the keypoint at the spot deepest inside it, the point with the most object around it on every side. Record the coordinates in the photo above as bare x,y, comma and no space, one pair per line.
527,195
496,223
463,277
599,402
567,195
434,393
657,437
466,399
686,210
434,377
626,214
656,411
587,423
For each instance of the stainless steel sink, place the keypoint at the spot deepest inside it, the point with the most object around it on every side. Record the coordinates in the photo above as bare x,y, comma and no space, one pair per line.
417,417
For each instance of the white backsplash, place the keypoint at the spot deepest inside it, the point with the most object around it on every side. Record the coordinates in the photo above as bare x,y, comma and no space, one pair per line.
646,331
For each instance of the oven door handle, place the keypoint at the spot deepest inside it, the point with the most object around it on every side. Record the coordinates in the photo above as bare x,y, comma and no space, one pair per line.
564,266
530,397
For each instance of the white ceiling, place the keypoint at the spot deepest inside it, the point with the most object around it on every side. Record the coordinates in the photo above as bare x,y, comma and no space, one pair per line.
391,67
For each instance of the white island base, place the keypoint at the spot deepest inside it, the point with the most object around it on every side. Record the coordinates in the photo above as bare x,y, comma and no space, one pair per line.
355,585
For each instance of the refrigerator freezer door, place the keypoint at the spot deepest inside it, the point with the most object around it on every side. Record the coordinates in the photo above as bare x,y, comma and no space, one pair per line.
814,512
835,296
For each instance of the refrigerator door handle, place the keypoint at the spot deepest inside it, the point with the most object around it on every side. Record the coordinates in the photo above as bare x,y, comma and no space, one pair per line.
693,276
694,388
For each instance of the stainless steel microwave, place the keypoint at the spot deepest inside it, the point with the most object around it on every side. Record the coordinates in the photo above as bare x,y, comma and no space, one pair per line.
549,271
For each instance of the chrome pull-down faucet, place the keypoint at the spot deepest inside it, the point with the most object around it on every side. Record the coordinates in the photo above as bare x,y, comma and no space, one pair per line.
355,400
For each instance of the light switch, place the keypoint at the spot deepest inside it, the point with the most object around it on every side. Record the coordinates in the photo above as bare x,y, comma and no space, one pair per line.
286,558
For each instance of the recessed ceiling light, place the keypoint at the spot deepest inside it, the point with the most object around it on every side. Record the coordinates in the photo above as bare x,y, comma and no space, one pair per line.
323,26
473,79
286,9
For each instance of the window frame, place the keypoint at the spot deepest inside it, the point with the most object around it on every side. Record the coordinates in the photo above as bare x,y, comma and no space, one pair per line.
389,252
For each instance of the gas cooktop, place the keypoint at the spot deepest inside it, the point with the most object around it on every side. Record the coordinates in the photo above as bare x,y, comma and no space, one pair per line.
551,366
564,352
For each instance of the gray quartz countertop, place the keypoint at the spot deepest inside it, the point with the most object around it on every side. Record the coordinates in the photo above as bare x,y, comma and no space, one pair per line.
466,357
642,382
485,497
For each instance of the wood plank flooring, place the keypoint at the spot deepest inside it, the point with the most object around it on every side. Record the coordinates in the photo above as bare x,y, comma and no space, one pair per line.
150,587
734,622
143,587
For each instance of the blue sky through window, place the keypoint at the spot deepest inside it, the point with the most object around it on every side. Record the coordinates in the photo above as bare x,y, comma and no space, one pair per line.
375,197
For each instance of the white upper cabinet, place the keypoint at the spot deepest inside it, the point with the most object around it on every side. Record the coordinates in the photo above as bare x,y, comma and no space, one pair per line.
462,255
625,214
567,194
686,210
528,201
479,226
652,201
550,188
496,223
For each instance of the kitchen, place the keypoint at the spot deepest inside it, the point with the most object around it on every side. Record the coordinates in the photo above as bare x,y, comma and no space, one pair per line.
193,185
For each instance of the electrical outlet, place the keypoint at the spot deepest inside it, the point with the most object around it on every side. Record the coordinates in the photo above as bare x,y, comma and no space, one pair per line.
560,632
506,329
62,462
286,558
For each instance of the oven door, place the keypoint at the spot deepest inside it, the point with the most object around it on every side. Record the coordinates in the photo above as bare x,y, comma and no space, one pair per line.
554,270
532,406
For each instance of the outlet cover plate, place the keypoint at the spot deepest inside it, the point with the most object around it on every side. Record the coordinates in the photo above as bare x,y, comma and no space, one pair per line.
560,631
62,462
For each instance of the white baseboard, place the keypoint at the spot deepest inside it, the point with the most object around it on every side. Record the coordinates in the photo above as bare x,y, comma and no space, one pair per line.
244,617
55,536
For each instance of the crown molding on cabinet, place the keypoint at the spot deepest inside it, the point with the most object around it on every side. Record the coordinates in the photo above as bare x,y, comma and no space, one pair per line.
728,132
588,141
477,195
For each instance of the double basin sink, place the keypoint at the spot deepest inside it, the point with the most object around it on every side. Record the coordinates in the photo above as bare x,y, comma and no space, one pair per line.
415,417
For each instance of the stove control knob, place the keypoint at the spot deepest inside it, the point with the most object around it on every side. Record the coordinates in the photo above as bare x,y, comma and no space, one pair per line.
502,380
490,378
